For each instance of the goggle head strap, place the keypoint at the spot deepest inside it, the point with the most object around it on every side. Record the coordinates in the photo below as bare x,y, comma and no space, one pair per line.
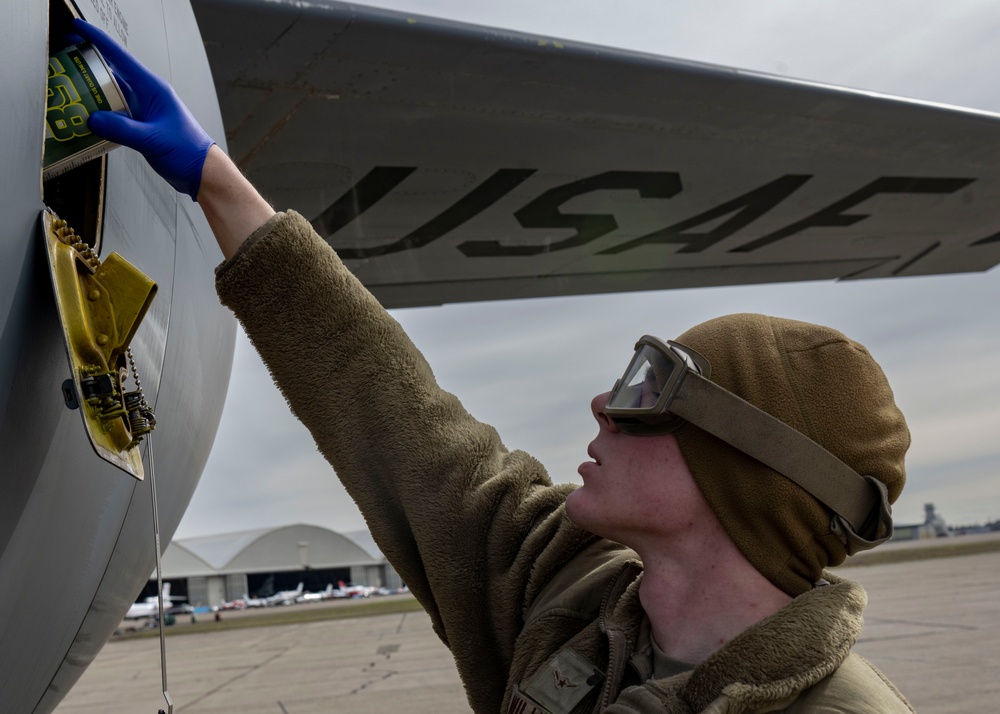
862,517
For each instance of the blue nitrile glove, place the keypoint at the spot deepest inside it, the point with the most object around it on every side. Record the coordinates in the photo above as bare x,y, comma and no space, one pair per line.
161,128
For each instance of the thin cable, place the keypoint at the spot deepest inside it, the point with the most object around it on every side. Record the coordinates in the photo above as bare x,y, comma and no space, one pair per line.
159,576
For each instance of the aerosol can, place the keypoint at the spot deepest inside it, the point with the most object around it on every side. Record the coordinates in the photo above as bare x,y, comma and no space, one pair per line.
79,84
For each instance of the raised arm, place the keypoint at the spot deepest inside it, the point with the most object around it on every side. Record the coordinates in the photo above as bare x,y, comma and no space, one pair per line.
475,531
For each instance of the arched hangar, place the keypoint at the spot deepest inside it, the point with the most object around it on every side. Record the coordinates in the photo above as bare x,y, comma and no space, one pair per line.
220,568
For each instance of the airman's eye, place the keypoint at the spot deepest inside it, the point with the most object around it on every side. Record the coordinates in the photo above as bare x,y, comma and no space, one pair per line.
650,390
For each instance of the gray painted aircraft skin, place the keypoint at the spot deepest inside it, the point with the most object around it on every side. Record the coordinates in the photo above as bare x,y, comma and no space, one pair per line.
76,535
446,163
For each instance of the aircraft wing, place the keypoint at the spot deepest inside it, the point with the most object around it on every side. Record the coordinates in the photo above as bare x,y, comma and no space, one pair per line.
448,162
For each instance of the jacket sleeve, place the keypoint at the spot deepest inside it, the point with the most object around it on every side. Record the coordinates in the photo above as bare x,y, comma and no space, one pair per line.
474,530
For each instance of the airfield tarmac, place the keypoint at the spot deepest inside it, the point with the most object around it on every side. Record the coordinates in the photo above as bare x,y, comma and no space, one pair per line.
932,626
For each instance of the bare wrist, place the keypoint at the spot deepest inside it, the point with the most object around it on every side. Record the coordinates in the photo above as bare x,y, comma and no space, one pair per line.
233,207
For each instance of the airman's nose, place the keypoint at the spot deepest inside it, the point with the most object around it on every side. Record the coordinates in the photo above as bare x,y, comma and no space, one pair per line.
597,405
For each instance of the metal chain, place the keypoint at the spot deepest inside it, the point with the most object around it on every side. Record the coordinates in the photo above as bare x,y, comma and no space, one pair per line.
135,373
140,414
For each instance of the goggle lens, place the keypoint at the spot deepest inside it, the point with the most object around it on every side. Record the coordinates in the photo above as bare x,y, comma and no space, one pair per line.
642,385
639,401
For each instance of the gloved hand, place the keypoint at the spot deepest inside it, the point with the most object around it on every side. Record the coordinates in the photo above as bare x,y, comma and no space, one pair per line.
161,128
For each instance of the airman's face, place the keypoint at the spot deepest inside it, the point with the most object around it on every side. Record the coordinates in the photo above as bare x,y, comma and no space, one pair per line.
635,488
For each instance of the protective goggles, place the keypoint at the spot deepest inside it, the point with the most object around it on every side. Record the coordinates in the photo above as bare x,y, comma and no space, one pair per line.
667,384
640,401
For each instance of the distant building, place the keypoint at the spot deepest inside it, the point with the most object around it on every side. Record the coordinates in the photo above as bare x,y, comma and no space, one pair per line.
934,526
214,569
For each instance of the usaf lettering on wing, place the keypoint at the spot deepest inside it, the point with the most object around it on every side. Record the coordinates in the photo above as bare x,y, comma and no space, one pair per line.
544,211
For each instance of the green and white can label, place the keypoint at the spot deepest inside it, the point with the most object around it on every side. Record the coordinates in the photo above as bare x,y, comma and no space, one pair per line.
79,84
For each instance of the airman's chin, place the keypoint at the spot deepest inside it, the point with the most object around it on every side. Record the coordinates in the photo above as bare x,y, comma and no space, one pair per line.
572,509
577,512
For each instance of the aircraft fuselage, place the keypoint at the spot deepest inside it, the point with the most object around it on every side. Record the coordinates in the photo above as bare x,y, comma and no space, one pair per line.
76,535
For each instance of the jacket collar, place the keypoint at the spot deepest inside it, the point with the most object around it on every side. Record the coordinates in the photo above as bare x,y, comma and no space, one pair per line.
773,659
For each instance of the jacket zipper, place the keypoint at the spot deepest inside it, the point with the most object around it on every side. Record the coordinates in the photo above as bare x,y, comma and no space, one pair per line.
616,646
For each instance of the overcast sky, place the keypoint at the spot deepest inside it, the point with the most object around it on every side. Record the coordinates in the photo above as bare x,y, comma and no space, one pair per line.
936,338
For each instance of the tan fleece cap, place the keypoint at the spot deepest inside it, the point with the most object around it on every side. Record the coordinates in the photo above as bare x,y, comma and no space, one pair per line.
824,385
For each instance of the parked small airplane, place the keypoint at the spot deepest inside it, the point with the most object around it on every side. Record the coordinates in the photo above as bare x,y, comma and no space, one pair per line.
345,590
284,597
150,607
253,601
237,604
317,597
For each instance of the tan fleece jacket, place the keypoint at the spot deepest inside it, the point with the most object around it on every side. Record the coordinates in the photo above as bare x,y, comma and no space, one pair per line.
519,594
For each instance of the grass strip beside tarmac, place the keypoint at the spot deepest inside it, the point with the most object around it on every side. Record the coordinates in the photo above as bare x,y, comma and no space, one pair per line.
924,550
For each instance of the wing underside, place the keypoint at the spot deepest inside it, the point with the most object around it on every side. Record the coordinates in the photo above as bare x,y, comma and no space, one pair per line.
447,162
